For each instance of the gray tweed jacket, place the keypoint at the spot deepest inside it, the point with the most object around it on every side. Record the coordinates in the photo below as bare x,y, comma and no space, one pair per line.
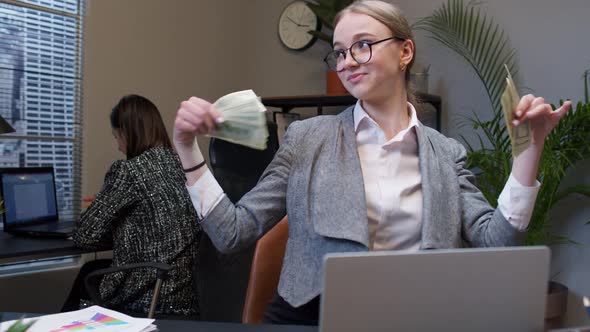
316,179
144,212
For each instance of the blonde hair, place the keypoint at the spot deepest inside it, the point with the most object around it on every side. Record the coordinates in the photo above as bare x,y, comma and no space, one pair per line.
392,17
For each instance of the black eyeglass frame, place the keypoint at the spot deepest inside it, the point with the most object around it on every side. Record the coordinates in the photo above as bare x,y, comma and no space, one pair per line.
348,50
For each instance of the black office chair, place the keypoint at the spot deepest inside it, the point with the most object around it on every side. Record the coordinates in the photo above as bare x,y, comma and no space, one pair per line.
92,281
223,278
237,168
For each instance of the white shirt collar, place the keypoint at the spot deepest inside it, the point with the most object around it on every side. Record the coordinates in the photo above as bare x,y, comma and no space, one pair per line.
360,115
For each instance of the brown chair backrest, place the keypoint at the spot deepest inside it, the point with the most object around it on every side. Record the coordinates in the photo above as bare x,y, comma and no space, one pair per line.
265,272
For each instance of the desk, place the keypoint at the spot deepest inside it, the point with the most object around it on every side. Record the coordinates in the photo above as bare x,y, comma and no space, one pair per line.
172,326
188,325
17,248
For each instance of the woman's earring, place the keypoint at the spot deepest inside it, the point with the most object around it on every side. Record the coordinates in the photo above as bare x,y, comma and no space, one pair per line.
402,66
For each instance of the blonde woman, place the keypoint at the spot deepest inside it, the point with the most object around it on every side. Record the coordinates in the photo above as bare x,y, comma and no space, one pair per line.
371,178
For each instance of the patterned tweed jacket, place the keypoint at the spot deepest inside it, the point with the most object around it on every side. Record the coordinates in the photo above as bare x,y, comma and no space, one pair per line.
145,214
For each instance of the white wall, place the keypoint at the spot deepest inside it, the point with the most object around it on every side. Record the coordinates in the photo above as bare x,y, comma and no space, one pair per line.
277,71
170,52
164,50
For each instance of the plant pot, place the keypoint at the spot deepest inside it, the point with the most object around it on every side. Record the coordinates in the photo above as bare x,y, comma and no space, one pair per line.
556,305
333,84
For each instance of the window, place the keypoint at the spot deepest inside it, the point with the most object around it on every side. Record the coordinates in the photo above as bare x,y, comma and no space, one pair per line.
40,84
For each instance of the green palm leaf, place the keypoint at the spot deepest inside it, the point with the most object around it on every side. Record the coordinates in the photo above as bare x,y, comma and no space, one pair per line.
19,326
479,41
475,37
326,11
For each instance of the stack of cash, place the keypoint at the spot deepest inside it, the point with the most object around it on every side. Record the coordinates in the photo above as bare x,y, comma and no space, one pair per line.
244,120
520,136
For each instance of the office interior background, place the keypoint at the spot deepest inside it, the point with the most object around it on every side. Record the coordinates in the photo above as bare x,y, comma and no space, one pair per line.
171,50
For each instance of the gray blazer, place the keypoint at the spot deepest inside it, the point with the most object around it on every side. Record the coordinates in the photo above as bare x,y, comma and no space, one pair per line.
316,179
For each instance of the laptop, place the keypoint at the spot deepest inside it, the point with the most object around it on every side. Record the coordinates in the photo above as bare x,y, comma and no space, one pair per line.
494,289
30,203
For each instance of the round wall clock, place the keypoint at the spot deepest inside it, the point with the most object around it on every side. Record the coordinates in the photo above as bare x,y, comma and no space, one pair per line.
294,23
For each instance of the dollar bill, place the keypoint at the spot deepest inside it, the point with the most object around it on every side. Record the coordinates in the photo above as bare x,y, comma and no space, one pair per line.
244,120
520,136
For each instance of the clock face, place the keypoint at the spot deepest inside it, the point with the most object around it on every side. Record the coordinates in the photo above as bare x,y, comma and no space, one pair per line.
294,23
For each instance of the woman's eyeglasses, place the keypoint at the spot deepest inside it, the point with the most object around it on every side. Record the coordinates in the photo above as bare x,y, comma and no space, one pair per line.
361,52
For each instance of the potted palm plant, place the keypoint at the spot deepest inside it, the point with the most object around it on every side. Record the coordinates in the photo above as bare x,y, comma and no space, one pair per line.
472,35
326,11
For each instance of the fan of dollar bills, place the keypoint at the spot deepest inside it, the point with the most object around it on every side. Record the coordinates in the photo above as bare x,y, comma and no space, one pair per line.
520,137
244,120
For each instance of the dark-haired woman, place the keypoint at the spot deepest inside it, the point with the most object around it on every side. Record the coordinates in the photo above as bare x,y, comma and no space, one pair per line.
144,212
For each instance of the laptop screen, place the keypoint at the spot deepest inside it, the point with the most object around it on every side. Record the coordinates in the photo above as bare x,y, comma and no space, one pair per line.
29,196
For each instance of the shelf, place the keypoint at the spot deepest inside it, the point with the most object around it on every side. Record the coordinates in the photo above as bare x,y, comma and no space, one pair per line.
287,103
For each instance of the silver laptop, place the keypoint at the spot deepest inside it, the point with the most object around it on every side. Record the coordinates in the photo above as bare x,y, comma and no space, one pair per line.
495,289
30,203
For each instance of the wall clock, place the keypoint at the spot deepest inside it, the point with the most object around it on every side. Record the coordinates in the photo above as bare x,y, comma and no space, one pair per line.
294,23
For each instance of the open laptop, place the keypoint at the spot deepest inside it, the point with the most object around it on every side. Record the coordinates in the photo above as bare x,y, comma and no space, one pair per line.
496,289
30,203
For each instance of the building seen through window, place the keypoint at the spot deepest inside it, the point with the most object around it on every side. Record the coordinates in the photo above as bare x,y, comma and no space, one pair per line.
40,84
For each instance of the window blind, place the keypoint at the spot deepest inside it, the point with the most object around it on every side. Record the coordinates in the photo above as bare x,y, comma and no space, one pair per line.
41,91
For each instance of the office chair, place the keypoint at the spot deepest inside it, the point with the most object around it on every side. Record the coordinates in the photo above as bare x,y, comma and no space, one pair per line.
237,168
265,272
92,281
223,278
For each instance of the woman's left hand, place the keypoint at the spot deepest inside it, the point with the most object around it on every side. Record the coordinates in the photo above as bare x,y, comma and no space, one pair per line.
541,116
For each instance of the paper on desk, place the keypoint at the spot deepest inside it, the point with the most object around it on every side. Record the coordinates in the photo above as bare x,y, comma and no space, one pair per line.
95,319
